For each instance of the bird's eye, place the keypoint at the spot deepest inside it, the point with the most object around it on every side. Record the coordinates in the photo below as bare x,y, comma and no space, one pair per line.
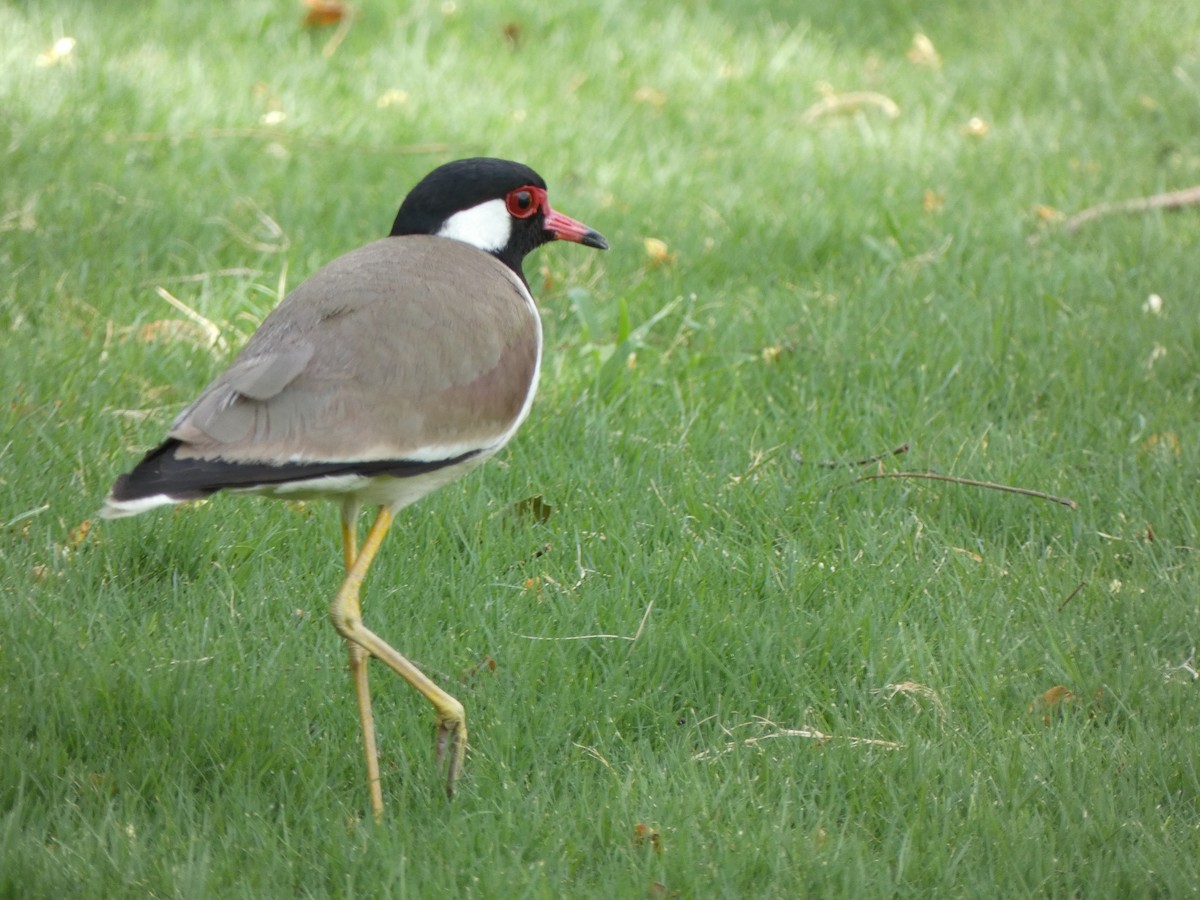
522,203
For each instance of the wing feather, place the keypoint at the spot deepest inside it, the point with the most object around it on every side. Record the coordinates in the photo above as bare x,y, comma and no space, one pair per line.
405,349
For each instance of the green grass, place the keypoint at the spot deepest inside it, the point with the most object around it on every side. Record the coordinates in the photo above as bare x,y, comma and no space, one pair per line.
175,718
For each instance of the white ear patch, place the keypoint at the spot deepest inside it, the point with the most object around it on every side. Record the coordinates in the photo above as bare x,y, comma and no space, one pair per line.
487,226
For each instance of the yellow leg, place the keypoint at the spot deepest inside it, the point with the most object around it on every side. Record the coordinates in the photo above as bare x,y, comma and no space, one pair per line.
347,619
358,668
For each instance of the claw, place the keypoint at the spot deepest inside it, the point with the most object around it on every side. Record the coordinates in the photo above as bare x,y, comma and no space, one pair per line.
452,737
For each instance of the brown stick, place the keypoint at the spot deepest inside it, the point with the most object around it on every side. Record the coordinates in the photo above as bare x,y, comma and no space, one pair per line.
1169,200
1071,596
971,482
839,464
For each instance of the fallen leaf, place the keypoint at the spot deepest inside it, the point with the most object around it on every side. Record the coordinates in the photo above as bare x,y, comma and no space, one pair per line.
1056,695
324,12
644,835
650,96
657,251
1054,703
392,97
486,664
78,534
1165,444
548,279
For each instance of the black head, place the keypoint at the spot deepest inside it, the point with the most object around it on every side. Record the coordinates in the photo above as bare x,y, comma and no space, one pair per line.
496,205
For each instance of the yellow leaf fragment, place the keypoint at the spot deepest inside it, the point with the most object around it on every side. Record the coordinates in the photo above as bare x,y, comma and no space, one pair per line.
650,96
923,53
657,251
1165,444
60,52
976,127
392,97
171,330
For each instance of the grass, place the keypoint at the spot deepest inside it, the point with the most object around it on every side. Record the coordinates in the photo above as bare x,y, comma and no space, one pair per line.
176,716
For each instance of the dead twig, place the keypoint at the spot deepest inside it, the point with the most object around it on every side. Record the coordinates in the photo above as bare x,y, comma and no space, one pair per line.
971,482
1071,596
848,464
1169,200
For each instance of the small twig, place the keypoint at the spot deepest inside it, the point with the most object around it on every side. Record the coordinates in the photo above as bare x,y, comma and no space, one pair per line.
1071,596
1169,200
843,464
971,482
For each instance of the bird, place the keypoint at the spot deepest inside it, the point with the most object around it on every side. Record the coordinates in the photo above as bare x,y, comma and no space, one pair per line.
390,372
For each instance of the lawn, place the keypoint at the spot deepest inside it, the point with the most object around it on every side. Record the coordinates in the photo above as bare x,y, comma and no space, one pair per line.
715,635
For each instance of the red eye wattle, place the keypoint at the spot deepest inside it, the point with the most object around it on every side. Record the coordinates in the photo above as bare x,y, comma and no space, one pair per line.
524,202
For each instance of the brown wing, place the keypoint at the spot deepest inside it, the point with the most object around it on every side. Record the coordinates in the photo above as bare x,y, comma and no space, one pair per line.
409,348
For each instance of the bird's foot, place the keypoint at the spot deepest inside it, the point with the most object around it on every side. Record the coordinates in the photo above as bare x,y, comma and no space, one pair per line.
452,742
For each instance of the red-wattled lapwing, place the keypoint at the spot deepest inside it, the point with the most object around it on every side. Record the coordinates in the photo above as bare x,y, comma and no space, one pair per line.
390,372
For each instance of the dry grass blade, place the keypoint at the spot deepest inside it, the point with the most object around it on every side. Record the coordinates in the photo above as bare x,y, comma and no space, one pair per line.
912,690
971,482
852,102
594,637
212,332
811,734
